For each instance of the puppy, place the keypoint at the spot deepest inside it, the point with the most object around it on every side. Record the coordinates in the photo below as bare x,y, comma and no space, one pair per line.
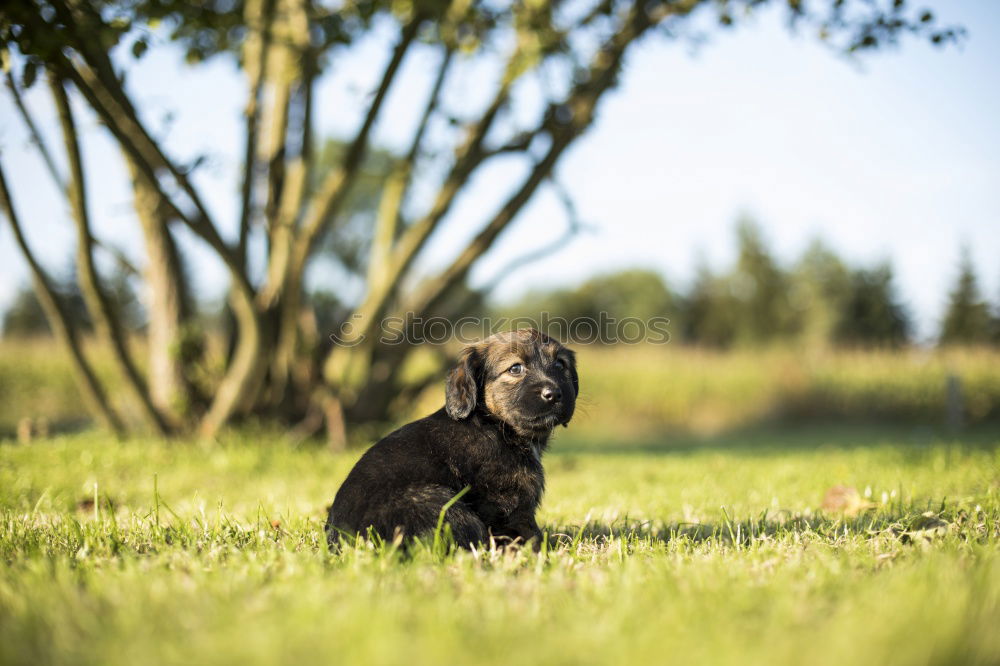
502,401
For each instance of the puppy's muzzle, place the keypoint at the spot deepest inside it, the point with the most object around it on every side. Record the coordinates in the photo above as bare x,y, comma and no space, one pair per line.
555,412
551,394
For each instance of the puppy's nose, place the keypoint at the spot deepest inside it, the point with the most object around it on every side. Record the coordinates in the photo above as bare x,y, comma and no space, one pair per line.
551,394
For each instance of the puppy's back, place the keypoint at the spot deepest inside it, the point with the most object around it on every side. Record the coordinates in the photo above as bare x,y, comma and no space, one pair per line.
409,457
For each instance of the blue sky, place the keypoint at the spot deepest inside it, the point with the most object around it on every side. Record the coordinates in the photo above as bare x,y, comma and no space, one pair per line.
894,157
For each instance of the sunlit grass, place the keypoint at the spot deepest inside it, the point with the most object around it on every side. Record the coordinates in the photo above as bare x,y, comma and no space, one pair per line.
664,550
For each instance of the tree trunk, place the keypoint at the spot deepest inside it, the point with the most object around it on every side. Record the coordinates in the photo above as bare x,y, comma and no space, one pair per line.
174,342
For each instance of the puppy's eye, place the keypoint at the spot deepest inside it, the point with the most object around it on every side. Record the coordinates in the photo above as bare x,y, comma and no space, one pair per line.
516,369
559,365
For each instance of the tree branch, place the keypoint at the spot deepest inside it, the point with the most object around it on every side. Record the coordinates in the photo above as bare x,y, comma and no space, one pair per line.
295,190
288,174
259,15
574,226
469,156
124,263
57,178
408,246
292,200
567,121
91,389
519,143
394,192
333,191
286,66
98,82
108,325
134,139
325,204
36,136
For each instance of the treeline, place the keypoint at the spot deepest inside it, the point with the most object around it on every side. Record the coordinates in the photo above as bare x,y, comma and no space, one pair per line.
819,300
25,317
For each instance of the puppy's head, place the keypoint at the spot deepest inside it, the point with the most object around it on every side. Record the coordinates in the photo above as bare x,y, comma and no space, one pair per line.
524,378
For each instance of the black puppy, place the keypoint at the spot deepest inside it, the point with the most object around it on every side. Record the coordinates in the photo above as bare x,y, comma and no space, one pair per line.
503,399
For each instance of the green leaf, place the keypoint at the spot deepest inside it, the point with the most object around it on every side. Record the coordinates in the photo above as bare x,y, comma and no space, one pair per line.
139,48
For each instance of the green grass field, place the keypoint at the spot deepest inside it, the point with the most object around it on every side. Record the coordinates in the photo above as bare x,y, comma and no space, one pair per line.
663,550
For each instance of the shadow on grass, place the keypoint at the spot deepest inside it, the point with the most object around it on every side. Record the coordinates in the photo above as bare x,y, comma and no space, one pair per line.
910,525
776,439
41,429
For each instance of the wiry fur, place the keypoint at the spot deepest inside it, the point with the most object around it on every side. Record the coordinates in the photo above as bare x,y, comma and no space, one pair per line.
490,436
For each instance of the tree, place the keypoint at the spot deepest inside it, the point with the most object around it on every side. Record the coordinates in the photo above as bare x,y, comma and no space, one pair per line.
821,288
636,293
709,310
26,317
967,319
873,316
761,291
748,305
296,205
996,323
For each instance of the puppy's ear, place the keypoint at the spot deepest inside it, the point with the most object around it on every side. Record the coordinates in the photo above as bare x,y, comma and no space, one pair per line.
572,373
462,387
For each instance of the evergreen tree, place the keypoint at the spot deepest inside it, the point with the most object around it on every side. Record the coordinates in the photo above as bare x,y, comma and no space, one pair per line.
995,331
26,318
872,315
709,314
967,319
821,287
761,290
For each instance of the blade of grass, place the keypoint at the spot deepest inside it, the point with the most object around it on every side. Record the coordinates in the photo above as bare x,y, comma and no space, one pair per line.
440,523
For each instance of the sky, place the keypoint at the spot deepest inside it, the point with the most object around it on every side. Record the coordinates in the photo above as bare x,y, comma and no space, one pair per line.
893,157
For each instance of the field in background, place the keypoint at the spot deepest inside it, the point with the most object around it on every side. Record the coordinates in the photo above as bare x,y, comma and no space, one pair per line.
643,390
682,389
721,550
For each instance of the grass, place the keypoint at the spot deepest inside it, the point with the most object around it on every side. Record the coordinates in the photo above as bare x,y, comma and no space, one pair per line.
710,392
663,550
